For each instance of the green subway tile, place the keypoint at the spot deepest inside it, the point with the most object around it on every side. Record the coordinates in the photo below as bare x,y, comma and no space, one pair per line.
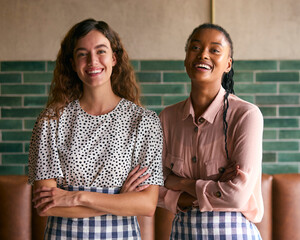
243,76
162,88
16,135
26,170
23,89
280,123
280,100
48,89
11,170
10,124
268,111
11,147
247,98
289,111
255,65
35,101
270,134
280,146
151,100
290,65
289,88
10,101
269,157
156,109
29,124
289,134
26,146
255,88
50,66
277,77
188,88
176,77
10,78
21,112
279,168
38,77
14,158
135,64
162,65
148,76
23,66
169,100
289,157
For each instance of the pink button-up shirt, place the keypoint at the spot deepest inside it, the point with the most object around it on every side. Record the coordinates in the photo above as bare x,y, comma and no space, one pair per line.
196,150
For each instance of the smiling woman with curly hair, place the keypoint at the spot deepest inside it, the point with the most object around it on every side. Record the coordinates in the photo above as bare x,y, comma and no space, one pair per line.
95,154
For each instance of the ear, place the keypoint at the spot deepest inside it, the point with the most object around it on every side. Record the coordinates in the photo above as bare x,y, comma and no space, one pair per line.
114,58
73,64
229,65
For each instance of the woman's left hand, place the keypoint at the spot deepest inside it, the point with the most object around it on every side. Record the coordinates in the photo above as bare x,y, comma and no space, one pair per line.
49,197
134,179
173,182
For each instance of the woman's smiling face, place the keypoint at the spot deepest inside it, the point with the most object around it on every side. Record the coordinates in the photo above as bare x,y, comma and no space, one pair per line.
208,56
93,59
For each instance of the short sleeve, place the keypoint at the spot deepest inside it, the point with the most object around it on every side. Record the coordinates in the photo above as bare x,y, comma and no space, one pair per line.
43,153
148,148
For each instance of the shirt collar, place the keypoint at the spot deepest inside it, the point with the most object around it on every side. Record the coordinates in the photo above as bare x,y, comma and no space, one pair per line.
212,110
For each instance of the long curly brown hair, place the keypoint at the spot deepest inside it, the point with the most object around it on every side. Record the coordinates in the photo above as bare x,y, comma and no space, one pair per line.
66,85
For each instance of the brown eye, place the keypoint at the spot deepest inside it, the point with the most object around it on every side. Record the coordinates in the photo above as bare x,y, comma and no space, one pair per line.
81,54
215,50
101,51
195,47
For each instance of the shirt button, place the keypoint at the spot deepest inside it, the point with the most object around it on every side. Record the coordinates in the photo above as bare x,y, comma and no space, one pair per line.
221,170
218,194
172,165
194,159
196,129
201,120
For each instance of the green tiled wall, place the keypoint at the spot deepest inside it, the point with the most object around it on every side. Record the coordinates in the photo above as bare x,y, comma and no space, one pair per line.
272,85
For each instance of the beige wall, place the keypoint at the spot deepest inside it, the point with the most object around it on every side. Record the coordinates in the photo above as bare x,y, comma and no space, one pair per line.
151,29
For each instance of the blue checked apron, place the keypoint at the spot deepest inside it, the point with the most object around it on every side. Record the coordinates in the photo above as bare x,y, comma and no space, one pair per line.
196,225
100,227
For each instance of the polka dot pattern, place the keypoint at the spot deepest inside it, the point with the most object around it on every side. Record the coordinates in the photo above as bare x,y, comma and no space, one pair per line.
96,151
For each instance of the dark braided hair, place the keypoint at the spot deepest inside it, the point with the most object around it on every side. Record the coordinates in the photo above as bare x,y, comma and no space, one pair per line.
227,79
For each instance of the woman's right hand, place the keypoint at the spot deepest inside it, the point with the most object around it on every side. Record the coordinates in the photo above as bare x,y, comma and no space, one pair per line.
134,179
230,172
185,201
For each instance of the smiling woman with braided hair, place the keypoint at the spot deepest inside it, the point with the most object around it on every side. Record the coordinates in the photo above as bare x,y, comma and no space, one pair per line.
212,148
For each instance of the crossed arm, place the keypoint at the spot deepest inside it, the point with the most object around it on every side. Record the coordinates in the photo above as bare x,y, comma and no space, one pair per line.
188,186
132,200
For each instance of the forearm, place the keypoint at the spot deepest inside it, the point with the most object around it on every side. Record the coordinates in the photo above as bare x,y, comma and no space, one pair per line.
125,204
146,227
177,183
189,186
71,212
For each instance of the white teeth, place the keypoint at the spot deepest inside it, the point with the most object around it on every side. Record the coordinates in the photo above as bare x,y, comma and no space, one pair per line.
203,66
95,71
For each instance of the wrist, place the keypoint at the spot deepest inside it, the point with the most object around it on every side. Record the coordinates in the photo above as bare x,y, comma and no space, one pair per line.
190,187
79,199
